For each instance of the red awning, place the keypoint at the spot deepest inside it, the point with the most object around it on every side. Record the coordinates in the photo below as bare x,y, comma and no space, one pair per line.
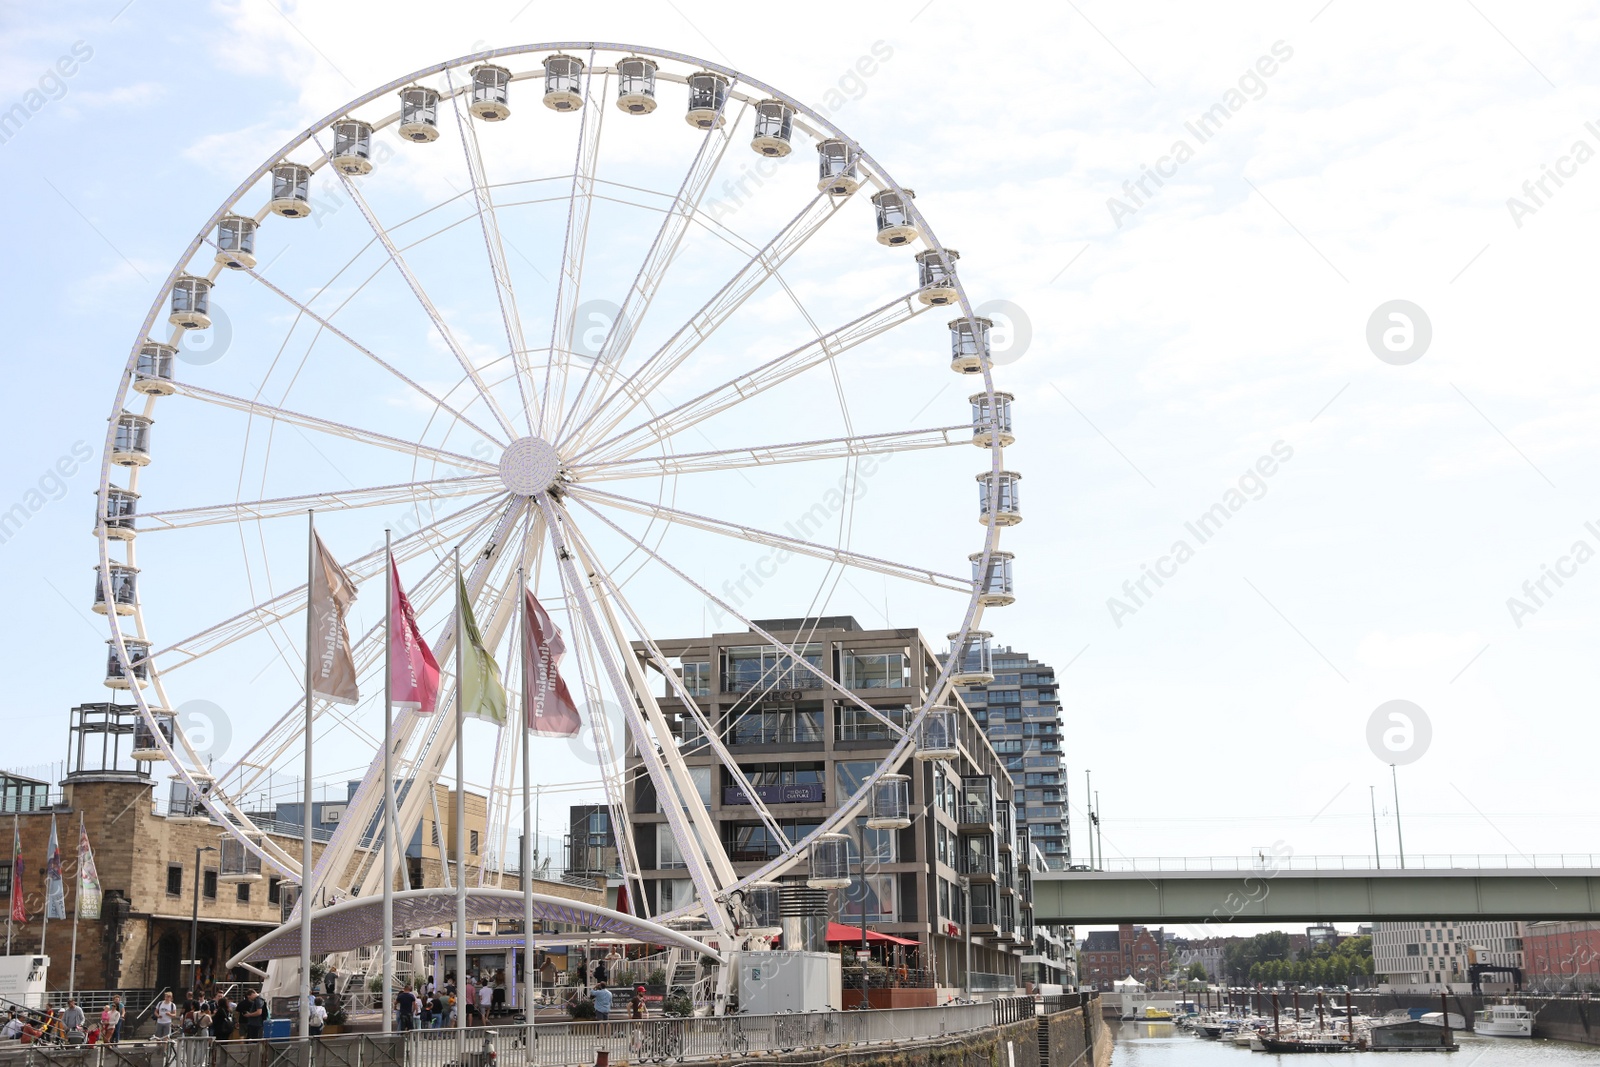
840,934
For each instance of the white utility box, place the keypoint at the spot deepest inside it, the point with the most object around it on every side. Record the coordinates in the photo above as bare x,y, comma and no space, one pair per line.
774,982
22,979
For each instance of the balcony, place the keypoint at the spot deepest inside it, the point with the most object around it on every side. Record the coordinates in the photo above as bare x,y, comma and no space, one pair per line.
971,814
975,864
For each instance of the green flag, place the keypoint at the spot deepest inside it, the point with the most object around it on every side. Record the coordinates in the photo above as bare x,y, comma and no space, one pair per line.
481,694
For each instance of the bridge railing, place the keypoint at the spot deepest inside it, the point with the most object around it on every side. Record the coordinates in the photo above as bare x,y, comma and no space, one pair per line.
1268,863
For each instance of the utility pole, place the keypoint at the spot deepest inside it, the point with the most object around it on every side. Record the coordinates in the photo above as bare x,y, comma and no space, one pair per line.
194,919
1100,842
1377,851
1088,804
1398,832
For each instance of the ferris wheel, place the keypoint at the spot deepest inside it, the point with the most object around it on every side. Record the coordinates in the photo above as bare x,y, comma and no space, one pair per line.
510,305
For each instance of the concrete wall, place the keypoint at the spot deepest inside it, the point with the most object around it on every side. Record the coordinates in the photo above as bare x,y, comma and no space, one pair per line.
1079,1038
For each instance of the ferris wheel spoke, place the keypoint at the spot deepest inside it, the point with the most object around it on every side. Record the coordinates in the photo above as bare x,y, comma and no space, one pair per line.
795,657
755,382
374,357
483,199
650,375
662,251
414,449
590,497
445,333
770,455
336,500
569,282
708,729
696,834
268,613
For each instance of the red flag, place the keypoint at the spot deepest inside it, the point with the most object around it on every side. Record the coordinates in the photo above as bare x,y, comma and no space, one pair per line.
414,673
546,704
622,898
19,912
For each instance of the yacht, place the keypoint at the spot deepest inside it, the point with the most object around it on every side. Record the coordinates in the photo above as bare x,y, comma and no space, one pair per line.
1503,1020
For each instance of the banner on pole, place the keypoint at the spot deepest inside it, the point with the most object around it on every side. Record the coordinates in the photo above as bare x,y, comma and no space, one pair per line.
482,694
547,704
55,891
413,670
88,906
333,669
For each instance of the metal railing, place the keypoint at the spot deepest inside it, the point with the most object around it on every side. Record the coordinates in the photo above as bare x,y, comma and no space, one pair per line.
1263,862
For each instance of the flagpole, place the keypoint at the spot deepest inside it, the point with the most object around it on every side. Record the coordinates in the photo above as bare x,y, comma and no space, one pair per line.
16,839
306,891
77,903
461,826
389,819
44,924
529,828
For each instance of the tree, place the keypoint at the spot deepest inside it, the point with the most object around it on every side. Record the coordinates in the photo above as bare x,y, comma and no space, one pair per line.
1197,971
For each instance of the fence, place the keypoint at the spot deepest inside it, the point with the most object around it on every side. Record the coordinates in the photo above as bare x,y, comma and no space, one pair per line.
1267,862
556,1044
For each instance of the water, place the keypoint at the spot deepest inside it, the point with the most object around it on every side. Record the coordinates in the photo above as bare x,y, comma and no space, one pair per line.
1163,1045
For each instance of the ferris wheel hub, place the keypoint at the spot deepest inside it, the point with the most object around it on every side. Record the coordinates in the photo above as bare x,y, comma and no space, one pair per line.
529,465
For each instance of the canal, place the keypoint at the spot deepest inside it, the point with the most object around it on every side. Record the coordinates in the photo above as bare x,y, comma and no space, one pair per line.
1164,1045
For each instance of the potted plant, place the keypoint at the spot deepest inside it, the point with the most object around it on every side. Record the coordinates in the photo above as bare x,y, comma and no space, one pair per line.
581,1008
336,1021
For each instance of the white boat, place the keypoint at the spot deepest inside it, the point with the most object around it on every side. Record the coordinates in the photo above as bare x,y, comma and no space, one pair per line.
1503,1020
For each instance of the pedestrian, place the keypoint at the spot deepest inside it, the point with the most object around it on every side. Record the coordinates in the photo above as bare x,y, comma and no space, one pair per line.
602,1002
13,1028
253,1012
485,1001
118,1013
203,1019
318,1017
223,1022
165,1011
72,1021
440,1009
330,981
636,1009
407,1004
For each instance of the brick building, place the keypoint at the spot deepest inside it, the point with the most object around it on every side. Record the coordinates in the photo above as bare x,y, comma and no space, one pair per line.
1107,956
1561,957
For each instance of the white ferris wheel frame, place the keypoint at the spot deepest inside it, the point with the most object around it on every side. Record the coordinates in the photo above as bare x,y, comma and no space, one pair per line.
614,449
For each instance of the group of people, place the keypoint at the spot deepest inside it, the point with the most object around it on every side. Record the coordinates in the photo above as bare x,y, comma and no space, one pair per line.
435,1006
70,1025
206,1015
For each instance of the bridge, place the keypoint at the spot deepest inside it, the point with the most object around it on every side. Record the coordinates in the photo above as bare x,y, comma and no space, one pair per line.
1282,889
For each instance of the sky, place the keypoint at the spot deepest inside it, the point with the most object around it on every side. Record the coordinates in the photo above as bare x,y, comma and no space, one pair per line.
1292,305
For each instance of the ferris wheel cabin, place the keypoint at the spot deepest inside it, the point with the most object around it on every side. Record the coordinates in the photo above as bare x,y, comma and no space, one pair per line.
491,93
236,863
774,127
130,447
352,147
152,372
937,279
419,114
708,92
118,675
146,749
969,345
1005,507
994,584
636,85
829,862
890,805
124,590
191,303
936,734
563,83
836,168
291,190
973,657
118,514
991,422
236,242
895,227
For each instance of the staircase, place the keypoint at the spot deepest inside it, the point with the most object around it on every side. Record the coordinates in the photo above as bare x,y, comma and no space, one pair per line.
685,973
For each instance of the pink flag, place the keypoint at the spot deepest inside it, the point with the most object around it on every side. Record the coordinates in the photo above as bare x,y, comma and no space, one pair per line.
546,704
413,672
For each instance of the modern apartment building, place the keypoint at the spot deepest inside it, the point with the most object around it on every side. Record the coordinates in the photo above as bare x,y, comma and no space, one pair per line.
1020,712
1425,957
804,749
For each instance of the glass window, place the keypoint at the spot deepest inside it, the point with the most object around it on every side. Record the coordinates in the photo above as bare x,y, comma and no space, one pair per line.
668,856
697,679
874,670
209,886
853,724
849,774
674,893
880,899
747,667
777,727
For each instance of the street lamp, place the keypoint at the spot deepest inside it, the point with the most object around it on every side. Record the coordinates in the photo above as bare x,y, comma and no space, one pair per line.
966,907
194,918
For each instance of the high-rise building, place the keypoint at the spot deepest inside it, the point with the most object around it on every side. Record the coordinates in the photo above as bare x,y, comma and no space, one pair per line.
1021,713
949,879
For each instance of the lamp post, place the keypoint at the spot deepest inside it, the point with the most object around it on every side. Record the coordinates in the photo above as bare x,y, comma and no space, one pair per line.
866,981
966,907
194,918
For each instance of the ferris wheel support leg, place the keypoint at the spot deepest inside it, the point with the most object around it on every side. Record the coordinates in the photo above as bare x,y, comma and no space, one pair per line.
697,856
